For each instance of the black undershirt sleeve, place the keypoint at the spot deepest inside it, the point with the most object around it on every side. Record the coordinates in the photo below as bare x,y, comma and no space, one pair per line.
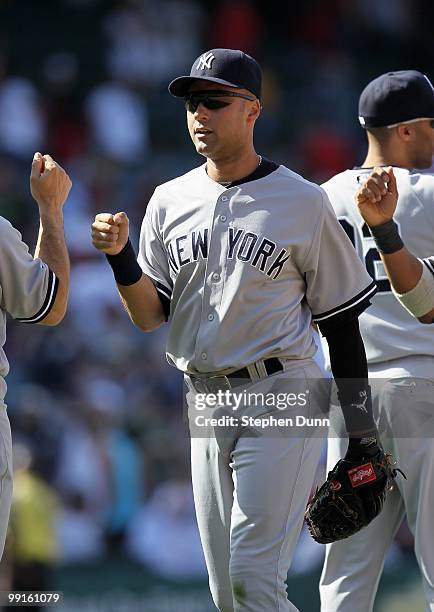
350,371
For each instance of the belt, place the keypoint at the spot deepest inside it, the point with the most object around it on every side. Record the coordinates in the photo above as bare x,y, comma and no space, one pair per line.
272,365
234,379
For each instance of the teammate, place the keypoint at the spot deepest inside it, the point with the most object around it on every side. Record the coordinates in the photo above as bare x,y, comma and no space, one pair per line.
237,255
412,282
396,110
32,289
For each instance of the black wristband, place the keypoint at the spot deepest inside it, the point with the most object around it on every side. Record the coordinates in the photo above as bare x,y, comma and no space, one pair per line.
359,448
125,268
387,238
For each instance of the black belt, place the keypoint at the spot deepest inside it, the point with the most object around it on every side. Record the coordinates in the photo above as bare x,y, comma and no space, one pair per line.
272,365
213,383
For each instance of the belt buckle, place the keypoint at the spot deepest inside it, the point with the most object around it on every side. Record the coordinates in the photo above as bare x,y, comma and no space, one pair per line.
210,384
218,383
198,384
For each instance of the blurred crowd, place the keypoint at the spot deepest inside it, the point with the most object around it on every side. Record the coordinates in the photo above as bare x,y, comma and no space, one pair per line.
101,446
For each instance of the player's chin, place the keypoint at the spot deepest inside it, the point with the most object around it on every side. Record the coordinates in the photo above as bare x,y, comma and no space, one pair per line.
203,148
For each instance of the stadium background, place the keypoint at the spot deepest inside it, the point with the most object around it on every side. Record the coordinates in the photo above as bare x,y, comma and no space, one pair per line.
103,507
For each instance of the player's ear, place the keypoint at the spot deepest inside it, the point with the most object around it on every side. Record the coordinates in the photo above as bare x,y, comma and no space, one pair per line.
404,131
255,110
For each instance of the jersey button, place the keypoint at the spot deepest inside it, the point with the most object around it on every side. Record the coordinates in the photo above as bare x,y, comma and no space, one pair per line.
204,356
225,198
216,276
210,317
222,218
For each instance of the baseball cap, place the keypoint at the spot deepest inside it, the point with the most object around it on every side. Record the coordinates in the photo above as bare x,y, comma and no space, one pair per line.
225,67
396,97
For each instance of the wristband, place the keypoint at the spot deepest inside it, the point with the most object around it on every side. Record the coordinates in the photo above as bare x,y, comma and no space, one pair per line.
359,448
125,268
387,238
358,417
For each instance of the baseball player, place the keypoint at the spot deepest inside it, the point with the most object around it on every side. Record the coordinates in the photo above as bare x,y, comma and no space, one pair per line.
32,289
396,110
238,255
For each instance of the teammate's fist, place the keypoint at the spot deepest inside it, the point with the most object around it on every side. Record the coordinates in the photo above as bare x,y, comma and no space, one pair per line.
110,232
49,183
378,196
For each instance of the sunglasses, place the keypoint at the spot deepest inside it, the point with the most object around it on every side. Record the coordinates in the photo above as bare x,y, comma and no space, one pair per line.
208,99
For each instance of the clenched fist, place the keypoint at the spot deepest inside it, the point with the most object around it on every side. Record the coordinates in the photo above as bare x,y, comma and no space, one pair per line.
378,196
49,183
110,232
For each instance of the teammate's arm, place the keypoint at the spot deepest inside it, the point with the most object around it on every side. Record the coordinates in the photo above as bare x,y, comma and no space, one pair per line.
136,290
50,186
412,282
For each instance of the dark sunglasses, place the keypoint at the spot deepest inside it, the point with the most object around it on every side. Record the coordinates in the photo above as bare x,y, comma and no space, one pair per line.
208,99
432,123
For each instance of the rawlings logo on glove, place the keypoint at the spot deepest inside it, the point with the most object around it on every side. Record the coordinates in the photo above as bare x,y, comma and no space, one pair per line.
361,474
353,494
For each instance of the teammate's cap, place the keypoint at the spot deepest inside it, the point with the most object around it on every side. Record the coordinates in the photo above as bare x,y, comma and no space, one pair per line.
396,97
222,66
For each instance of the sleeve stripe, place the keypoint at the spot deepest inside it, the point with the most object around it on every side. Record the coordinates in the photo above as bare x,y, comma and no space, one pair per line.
360,297
164,290
165,296
53,285
164,293
165,302
429,264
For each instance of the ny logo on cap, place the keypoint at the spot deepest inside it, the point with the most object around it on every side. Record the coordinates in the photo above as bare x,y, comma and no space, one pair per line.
205,61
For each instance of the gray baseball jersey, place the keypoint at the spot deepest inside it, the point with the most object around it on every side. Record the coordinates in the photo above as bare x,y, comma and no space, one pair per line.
429,262
27,288
245,268
388,330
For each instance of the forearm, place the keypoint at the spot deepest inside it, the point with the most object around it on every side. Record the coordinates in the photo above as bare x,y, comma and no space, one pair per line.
142,304
412,283
51,248
350,370
403,269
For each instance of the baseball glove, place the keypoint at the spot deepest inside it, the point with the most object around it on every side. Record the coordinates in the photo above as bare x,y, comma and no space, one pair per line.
353,494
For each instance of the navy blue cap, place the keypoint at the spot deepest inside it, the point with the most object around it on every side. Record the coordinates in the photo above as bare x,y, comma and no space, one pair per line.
396,97
222,66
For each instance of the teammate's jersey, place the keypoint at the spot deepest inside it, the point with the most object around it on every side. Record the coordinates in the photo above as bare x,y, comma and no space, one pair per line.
429,262
388,330
247,267
27,287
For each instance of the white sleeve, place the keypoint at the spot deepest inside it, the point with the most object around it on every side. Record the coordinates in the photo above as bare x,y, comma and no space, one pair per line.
338,285
153,257
28,286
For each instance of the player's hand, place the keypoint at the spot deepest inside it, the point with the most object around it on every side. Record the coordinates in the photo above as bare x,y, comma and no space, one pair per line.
110,232
378,196
49,183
